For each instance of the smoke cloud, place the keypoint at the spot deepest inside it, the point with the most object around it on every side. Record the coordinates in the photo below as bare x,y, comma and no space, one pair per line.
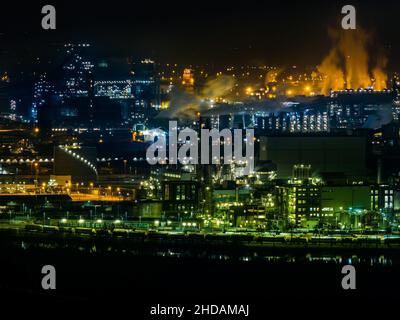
347,64
272,76
380,117
380,77
217,87
187,105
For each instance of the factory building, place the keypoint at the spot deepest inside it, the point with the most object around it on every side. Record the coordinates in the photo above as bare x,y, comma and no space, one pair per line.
345,154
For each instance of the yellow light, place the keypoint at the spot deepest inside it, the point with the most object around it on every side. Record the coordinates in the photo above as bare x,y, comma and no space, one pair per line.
164,104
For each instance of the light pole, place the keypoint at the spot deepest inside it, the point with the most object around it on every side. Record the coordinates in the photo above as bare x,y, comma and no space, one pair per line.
36,174
125,161
95,210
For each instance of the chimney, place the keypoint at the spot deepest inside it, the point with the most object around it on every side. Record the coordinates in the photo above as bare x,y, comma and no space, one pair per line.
379,172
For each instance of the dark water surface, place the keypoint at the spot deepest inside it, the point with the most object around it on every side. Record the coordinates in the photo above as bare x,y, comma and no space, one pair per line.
133,277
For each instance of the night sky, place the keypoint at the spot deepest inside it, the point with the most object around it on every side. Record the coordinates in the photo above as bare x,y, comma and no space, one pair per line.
194,32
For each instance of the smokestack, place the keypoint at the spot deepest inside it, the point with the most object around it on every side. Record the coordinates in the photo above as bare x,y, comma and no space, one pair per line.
205,172
379,172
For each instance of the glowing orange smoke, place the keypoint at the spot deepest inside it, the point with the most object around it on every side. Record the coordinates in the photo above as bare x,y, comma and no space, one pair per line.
347,64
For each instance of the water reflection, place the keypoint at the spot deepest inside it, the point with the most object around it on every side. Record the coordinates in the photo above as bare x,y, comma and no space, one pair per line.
211,254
